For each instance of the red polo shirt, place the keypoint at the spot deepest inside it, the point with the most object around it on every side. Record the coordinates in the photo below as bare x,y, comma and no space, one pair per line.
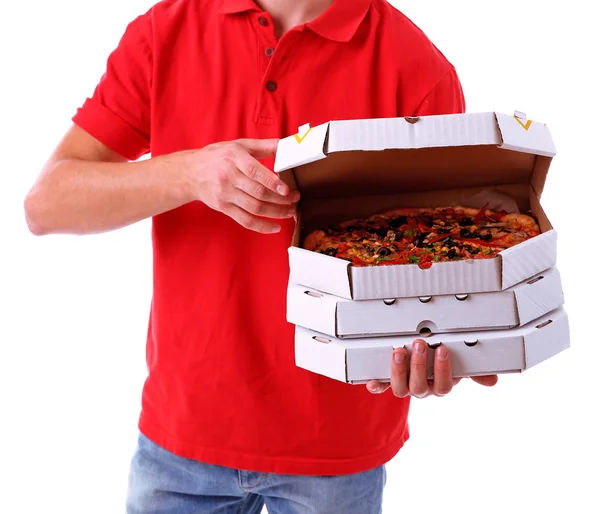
223,387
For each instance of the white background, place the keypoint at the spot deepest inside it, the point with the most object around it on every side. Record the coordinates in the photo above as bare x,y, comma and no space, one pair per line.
73,311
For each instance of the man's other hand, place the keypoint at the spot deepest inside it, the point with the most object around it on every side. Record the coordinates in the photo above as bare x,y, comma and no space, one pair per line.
409,374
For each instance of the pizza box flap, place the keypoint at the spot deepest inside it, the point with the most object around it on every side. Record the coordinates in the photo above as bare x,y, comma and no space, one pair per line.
371,156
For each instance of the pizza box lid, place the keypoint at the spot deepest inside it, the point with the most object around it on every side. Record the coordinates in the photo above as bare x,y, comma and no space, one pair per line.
427,316
416,154
354,168
357,361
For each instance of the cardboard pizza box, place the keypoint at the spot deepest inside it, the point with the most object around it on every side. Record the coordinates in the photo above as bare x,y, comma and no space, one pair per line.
357,361
355,168
342,318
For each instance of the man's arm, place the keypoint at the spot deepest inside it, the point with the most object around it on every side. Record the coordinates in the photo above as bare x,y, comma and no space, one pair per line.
89,184
85,187
446,97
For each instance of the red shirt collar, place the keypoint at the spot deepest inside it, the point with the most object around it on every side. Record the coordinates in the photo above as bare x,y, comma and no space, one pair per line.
339,22
237,6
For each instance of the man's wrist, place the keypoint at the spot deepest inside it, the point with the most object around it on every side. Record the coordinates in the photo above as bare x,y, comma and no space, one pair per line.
180,179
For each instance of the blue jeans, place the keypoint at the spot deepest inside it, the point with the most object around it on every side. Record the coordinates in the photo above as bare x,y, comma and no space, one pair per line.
163,483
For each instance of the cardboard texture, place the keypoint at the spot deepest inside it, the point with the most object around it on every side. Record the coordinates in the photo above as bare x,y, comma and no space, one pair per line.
349,169
342,318
357,361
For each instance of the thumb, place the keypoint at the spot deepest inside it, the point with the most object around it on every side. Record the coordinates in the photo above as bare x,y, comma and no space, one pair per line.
487,380
260,148
376,387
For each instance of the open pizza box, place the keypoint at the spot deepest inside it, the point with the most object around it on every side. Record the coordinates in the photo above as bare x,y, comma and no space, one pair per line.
353,169
357,361
342,318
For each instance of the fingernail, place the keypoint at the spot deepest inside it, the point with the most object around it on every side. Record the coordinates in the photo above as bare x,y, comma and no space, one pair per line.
400,358
420,348
441,354
282,190
291,212
275,229
295,197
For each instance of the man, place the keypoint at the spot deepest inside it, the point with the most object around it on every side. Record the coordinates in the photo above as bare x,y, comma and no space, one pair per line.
207,87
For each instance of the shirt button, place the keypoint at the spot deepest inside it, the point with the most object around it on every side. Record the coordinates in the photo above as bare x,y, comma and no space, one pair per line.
262,21
271,86
269,51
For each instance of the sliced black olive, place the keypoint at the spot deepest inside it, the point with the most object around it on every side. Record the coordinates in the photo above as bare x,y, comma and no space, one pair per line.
333,229
399,236
352,228
475,234
443,230
331,251
427,221
448,241
452,253
486,237
371,230
465,232
382,232
420,238
384,252
466,222
398,222
394,248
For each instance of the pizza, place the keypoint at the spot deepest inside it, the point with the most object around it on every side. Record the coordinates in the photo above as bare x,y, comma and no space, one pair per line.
423,236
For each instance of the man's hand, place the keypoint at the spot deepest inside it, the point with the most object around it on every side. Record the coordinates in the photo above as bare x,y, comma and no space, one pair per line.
229,178
415,382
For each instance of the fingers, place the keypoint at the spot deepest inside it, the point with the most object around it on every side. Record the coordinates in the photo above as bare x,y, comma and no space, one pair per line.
260,208
259,148
249,221
255,171
417,381
260,192
486,380
399,374
442,372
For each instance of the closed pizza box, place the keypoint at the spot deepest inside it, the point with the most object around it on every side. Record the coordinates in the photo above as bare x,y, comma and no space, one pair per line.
357,361
427,315
355,168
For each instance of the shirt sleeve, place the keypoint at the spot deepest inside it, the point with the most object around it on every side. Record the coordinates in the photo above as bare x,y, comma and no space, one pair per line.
118,113
446,97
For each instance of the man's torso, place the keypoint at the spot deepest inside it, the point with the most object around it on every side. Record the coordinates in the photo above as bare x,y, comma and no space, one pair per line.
222,385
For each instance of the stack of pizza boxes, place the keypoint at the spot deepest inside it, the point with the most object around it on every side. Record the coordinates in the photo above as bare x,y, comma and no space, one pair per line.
495,315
